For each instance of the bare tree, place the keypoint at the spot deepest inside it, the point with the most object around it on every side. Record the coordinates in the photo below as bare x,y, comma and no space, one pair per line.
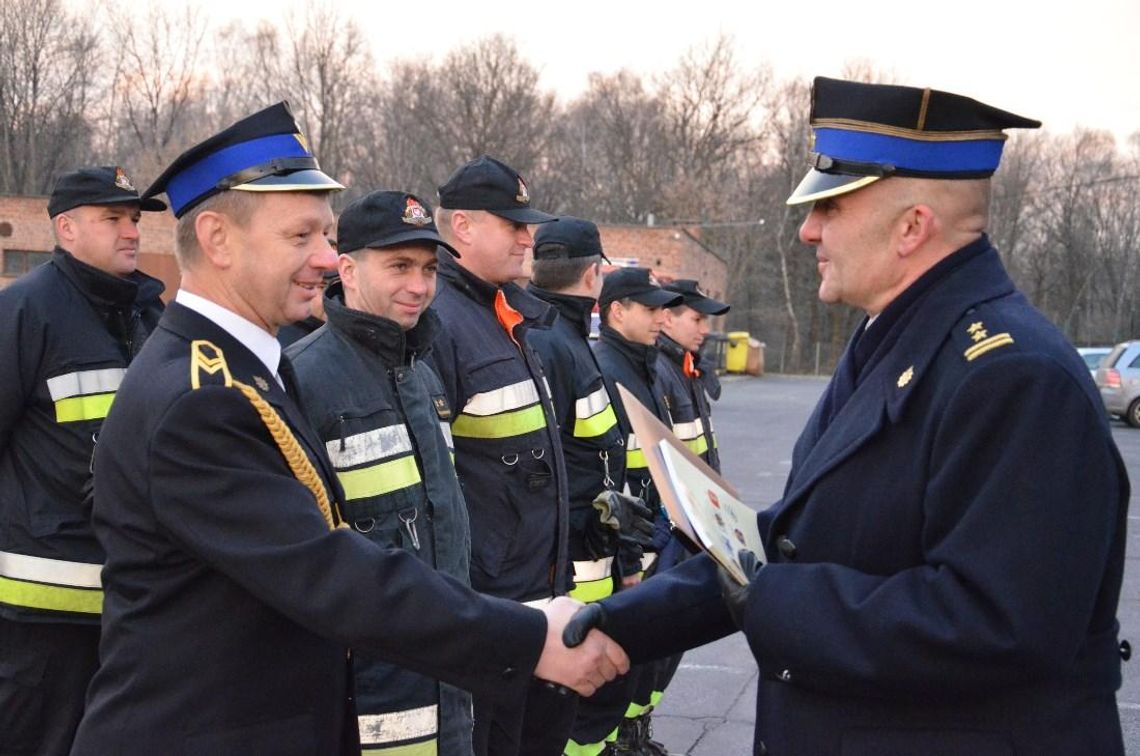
47,63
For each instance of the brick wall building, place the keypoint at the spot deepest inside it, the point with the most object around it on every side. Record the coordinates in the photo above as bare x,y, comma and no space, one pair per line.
671,251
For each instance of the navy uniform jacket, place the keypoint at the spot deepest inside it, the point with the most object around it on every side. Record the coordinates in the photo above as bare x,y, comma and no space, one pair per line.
508,453
688,403
68,332
946,561
229,604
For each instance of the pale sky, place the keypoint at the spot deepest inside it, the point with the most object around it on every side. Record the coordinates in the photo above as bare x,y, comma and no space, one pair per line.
1079,67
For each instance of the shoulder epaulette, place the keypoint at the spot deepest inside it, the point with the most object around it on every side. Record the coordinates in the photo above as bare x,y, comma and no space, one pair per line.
981,340
207,358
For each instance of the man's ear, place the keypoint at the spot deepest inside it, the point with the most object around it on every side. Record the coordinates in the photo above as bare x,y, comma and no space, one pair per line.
215,232
346,267
65,230
462,223
915,227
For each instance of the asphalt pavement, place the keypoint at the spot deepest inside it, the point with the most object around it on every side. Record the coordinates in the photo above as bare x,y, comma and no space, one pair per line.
709,709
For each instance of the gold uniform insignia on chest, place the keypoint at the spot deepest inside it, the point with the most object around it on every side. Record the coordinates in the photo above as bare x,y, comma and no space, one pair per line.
906,376
983,342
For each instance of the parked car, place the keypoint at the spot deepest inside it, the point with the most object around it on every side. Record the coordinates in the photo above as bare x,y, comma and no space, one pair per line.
1118,379
1093,355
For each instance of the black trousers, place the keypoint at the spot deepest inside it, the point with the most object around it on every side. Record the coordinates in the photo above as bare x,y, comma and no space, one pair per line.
44,672
540,728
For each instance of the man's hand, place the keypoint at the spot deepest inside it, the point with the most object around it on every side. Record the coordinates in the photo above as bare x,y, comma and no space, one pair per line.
736,595
589,665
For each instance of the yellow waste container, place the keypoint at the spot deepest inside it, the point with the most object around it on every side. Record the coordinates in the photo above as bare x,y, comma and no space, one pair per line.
736,357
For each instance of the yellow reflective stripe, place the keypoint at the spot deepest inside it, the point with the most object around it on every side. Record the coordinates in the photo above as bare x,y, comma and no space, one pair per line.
635,459
583,749
698,445
504,399
505,425
55,571
427,748
688,431
104,381
396,727
383,478
52,597
93,407
635,710
593,590
597,425
370,446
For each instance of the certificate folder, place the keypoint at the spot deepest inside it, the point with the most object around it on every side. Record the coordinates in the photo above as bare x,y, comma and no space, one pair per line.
702,506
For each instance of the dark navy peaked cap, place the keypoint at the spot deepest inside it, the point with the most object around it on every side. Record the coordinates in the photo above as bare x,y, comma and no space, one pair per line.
265,152
864,132
489,184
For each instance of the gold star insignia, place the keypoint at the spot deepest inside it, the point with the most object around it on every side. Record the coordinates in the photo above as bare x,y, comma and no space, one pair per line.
905,377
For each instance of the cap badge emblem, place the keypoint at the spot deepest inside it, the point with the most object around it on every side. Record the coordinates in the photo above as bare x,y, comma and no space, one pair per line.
415,214
523,196
302,140
123,181
906,377
261,383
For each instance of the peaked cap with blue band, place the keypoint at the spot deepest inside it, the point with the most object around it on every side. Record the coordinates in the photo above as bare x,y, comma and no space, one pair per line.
264,152
864,132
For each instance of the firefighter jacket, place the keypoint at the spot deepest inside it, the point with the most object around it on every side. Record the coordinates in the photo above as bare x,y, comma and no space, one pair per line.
69,332
507,450
685,394
592,443
381,414
635,367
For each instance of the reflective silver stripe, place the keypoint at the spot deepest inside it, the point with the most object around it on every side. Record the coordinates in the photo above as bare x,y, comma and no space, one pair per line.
515,396
593,404
445,429
690,430
538,603
370,446
398,726
53,571
595,570
85,382
632,443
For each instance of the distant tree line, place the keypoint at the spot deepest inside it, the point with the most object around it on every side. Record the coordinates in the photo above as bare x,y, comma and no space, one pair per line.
709,143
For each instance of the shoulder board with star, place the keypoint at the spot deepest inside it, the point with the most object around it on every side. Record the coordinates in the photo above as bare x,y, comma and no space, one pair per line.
979,336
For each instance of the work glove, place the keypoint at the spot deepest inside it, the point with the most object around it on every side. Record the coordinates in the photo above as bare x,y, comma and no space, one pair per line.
736,595
627,515
587,618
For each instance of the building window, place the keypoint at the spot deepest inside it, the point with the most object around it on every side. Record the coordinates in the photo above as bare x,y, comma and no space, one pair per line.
17,262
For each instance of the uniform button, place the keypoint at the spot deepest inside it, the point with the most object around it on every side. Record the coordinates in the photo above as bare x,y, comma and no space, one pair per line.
1125,650
786,676
786,547
508,673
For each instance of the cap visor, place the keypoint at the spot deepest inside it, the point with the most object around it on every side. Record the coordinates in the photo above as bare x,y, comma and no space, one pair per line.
524,215
297,181
816,186
657,298
408,237
149,205
707,305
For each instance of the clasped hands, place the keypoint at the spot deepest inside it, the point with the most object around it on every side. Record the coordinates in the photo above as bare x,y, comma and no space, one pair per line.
589,665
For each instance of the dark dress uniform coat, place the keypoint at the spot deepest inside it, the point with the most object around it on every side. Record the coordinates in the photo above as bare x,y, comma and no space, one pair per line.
229,604
946,561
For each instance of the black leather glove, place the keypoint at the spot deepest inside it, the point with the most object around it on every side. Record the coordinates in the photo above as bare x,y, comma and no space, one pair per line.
627,515
736,595
587,618
628,556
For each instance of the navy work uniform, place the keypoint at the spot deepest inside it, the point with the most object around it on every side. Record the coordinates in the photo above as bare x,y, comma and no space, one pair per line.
70,330
594,449
232,592
379,409
681,379
946,561
634,366
508,453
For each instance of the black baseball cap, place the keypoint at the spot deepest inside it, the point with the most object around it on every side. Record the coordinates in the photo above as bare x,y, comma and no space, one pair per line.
104,185
264,152
636,284
692,296
386,219
489,184
569,237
